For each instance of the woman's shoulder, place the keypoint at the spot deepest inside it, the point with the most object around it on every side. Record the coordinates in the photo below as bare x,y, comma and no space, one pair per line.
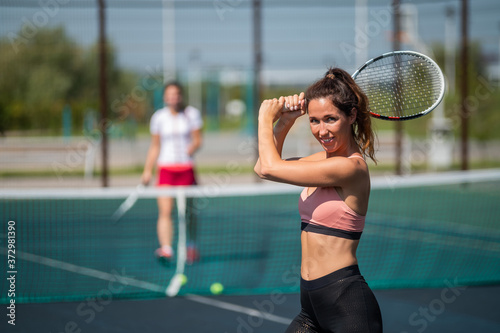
348,170
319,156
160,112
191,110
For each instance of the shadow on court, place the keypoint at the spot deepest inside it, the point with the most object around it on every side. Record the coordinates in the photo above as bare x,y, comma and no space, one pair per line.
453,309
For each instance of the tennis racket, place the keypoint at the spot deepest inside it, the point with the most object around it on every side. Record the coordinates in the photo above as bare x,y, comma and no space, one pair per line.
401,85
175,283
128,203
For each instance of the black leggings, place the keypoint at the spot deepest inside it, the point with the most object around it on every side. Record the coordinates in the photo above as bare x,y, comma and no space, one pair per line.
338,302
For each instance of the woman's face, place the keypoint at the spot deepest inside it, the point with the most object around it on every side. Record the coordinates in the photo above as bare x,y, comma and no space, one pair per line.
330,126
172,97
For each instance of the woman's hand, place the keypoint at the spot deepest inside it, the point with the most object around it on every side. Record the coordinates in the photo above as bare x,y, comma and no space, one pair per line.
146,177
271,109
287,108
295,106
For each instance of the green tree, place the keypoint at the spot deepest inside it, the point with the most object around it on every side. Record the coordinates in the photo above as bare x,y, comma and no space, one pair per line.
38,79
48,71
482,98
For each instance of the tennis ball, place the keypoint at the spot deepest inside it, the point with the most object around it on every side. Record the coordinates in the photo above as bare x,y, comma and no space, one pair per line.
184,279
216,288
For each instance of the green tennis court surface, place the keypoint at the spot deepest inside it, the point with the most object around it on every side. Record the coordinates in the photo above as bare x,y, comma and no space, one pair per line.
475,309
440,232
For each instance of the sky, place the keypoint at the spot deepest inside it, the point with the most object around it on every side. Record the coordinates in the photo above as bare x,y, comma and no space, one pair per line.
300,39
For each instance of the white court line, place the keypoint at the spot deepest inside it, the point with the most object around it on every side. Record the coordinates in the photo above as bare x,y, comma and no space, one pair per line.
145,285
88,271
238,308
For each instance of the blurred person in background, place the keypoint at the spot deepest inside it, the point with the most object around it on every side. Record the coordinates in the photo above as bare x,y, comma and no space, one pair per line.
176,135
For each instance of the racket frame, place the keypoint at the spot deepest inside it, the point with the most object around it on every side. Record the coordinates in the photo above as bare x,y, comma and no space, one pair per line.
128,203
413,53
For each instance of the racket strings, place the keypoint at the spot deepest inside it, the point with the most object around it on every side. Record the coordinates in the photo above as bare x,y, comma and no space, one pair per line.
401,85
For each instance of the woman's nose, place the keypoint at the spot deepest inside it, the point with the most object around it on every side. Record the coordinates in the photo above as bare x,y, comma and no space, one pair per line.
322,128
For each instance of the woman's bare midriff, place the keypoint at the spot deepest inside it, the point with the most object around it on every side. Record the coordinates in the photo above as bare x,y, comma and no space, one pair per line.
323,254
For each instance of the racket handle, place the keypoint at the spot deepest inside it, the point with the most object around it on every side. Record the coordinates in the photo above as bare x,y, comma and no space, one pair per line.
287,109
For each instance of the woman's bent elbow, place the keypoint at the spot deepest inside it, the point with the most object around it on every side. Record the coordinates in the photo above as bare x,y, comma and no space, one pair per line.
258,171
265,173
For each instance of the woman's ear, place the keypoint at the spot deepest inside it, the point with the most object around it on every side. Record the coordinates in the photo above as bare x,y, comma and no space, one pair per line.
352,116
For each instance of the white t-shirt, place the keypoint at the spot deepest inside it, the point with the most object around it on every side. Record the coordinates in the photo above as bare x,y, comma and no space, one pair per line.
175,134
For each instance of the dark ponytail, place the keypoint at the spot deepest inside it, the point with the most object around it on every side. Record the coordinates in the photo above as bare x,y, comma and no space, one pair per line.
340,88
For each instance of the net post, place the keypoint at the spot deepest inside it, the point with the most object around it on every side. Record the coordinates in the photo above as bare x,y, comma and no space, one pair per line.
464,112
396,46
103,92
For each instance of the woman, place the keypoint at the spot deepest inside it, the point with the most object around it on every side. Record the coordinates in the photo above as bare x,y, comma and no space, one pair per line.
334,202
175,137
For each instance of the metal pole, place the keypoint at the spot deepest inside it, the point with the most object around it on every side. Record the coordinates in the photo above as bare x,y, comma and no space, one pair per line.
396,46
464,112
103,92
360,20
257,66
168,30
257,45
450,47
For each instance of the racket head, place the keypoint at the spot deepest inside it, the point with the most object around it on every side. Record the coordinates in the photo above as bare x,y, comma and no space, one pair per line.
401,85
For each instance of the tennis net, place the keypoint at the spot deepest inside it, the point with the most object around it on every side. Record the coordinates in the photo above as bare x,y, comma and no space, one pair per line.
421,231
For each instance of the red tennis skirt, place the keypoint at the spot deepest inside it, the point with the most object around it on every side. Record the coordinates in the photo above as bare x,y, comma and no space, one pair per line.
176,175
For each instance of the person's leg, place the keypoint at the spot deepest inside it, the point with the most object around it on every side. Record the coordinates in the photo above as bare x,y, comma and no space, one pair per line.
344,303
301,324
191,219
164,226
192,227
304,322
355,309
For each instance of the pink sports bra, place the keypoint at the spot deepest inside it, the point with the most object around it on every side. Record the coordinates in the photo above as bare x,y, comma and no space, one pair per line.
324,212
